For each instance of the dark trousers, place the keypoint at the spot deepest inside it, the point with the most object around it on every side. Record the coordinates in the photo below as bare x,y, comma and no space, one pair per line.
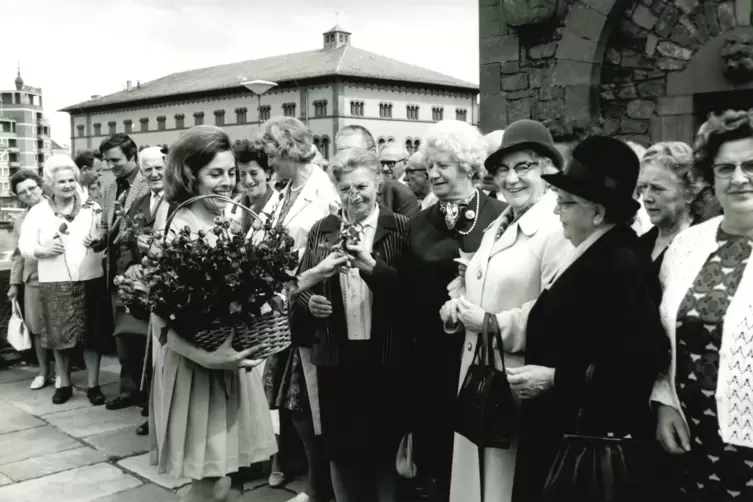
365,480
131,351
320,484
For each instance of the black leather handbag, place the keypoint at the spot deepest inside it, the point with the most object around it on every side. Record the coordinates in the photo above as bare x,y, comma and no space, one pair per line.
484,407
593,468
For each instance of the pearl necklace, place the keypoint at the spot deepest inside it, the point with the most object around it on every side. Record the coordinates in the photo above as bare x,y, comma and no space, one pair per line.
452,213
475,216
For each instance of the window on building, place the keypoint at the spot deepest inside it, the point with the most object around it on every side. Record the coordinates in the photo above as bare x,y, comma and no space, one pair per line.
161,123
317,143
112,126
356,108
416,145
12,157
288,109
381,142
241,115
98,129
324,147
198,118
80,129
144,124
40,144
409,146
180,121
437,114
7,98
40,158
219,117
320,108
461,114
385,110
128,126
265,112
12,143
12,127
412,112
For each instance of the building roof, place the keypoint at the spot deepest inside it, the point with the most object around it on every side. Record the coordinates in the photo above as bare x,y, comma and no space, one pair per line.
55,146
343,61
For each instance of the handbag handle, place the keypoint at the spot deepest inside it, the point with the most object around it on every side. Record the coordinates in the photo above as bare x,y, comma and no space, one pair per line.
490,334
581,409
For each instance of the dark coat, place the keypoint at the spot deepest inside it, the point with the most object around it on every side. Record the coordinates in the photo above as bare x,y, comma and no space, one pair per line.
328,337
399,199
602,310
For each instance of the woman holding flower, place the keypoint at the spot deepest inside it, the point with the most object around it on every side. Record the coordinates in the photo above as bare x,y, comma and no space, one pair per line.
208,413
59,233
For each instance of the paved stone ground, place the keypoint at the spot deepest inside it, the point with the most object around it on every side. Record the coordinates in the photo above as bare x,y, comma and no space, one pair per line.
79,453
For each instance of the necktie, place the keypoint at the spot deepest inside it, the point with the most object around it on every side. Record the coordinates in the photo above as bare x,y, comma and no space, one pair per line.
154,203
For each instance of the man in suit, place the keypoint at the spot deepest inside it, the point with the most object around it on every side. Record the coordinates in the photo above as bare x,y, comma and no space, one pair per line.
89,163
119,152
394,195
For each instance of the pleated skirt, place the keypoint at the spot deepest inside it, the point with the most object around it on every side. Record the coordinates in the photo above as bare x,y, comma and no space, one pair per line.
206,423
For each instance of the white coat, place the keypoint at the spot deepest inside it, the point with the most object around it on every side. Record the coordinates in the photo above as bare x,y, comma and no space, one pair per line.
505,275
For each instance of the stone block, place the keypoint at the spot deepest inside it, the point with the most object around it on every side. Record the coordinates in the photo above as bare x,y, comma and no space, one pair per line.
633,59
587,20
515,82
540,77
119,443
88,483
45,465
643,17
604,7
641,109
520,109
573,73
651,43
490,22
675,105
550,92
670,64
709,17
627,92
698,33
673,128
726,15
574,48
143,493
611,126
658,6
514,95
542,51
652,89
546,110
743,11
672,50
95,420
13,419
579,102
141,466
612,56
492,112
667,21
509,67
632,126
30,443
489,81
498,49
687,6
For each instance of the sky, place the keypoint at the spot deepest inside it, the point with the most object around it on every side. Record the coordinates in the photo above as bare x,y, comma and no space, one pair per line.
74,49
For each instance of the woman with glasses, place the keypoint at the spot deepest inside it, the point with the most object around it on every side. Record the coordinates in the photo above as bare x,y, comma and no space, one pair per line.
518,255
704,410
27,185
598,315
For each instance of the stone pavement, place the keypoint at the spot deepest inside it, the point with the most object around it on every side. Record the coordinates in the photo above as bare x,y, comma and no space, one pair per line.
79,453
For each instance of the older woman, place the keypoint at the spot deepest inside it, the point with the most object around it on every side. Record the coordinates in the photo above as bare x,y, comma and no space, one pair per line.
455,152
704,412
254,173
208,416
58,233
357,345
669,189
290,377
518,256
585,322
27,185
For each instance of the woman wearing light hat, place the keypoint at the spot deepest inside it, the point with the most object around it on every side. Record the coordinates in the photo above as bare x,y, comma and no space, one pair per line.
600,311
517,257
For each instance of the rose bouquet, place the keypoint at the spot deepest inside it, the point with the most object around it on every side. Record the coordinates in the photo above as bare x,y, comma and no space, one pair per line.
207,285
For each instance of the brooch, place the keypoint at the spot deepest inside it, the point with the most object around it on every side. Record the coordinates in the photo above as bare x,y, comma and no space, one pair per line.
470,214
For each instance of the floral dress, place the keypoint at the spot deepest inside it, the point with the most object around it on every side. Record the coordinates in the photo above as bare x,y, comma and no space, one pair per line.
713,471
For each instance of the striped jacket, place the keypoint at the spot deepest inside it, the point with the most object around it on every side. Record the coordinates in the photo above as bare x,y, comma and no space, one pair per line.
328,337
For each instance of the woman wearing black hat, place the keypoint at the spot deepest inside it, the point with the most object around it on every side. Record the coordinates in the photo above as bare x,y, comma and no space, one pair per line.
599,315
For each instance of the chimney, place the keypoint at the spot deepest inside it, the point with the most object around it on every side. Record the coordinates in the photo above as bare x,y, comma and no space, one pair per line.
128,85
138,84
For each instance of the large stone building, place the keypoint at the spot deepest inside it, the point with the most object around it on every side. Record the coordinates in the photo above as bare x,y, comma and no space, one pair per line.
645,70
24,139
327,88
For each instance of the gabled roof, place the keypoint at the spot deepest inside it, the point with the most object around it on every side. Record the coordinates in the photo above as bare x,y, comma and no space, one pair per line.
345,61
55,146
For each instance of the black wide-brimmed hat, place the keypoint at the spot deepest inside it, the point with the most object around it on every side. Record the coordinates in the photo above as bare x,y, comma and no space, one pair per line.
602,170
525,135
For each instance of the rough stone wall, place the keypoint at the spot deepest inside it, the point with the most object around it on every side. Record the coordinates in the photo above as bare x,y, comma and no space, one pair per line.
621,63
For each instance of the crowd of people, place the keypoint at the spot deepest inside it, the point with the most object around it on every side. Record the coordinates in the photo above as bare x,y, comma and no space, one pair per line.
605,282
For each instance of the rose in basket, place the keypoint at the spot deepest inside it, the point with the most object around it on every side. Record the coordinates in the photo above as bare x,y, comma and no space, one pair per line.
133,287
209,285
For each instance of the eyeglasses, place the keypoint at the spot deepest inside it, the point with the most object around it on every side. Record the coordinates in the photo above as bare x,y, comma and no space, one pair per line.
409,172
726,170
391,163
521,169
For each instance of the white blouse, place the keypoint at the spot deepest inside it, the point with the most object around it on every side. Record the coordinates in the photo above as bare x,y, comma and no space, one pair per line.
77,263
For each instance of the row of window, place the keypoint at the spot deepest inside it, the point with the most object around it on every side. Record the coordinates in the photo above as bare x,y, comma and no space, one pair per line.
411,145
411,111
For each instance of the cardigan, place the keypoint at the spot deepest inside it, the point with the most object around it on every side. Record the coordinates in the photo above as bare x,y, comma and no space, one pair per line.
682,262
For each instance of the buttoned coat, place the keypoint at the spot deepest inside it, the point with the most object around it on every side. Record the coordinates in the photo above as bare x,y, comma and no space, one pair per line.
504,274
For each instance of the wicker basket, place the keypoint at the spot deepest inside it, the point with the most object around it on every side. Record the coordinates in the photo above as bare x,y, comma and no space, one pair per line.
267,335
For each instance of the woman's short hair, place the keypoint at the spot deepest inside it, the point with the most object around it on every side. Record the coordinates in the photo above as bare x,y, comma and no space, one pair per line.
350,159
461,140
193,150
731,125
57,163
250,151
23,175
289,138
